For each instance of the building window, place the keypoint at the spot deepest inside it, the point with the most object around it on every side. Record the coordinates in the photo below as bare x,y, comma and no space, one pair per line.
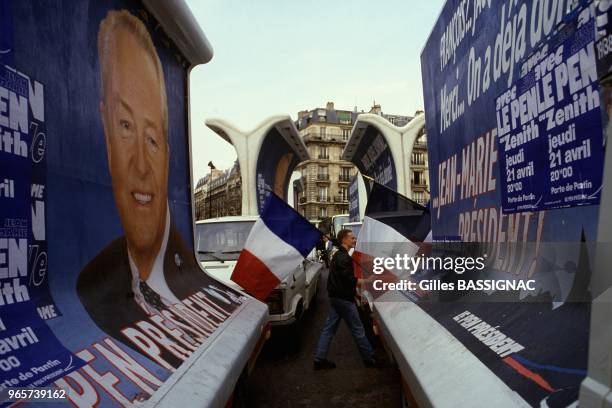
417,178
323,133
343,194
323,175
323,212
418,158
345,134
323,152
345,174
323,194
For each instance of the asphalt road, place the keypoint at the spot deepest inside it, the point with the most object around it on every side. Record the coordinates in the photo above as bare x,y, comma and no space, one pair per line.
284,375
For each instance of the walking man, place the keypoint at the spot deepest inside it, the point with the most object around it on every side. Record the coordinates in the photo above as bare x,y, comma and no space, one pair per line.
322,248
341,286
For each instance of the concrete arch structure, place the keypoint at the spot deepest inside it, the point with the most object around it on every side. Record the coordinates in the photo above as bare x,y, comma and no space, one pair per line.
383,151
267,156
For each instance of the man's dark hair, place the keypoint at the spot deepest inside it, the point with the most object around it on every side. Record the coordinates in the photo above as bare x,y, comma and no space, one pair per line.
342,234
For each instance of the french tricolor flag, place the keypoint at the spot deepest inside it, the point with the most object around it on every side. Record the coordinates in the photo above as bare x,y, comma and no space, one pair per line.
392,225
279,241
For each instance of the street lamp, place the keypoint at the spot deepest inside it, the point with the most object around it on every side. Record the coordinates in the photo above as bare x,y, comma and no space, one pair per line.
212,167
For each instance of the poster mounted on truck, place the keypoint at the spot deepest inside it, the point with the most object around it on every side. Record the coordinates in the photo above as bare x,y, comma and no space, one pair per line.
102,296
487,96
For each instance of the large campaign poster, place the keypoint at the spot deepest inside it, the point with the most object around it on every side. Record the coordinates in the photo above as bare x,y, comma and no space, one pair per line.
373,158
102,296
549,126
481,57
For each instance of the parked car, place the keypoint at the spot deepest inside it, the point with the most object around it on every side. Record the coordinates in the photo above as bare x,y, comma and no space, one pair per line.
219,242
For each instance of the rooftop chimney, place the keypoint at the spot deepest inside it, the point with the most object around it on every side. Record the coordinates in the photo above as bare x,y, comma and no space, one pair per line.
376,108
330,106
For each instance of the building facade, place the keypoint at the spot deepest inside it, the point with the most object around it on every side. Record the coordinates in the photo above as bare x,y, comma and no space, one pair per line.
199,195
419,170
322,190
219,194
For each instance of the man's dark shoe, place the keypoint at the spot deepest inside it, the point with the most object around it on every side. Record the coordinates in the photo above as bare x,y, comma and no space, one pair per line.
374,363
324,365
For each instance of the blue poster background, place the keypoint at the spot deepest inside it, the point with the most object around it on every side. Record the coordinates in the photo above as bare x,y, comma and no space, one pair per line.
473,55
554,158
6,32
373,159
30,352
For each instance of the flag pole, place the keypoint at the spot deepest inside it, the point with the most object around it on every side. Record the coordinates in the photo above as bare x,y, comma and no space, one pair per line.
368,177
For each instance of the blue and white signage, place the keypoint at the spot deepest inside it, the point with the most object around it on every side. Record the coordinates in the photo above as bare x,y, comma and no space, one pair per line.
549,127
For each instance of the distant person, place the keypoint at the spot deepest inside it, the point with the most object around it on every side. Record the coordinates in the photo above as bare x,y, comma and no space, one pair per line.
341,288
329,245
332,247
322,248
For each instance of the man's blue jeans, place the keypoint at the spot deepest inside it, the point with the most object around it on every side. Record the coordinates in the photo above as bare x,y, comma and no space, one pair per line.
343,309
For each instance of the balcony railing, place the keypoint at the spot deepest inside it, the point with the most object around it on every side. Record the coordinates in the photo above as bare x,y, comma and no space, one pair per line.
310,137
420,145
419,183
328,137
340,199
323,157
322,177
344,178
323,199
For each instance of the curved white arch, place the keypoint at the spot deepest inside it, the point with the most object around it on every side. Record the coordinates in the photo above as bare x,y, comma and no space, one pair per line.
399,139
248,145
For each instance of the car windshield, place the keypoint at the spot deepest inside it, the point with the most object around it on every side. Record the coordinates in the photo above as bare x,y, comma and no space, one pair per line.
353,227
221,241
339,220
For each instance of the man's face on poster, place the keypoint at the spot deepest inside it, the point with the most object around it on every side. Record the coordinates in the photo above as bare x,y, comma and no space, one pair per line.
137,147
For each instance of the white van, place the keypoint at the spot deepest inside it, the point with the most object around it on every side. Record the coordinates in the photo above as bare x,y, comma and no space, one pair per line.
219,242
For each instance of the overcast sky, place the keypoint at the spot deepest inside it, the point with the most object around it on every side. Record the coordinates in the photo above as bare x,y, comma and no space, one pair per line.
281,56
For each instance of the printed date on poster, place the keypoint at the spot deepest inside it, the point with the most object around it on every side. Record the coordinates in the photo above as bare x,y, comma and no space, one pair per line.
550,135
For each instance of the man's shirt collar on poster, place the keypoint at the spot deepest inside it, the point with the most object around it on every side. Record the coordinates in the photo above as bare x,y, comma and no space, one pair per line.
156,279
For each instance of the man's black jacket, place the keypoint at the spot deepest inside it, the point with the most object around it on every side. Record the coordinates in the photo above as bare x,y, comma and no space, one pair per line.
341,282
